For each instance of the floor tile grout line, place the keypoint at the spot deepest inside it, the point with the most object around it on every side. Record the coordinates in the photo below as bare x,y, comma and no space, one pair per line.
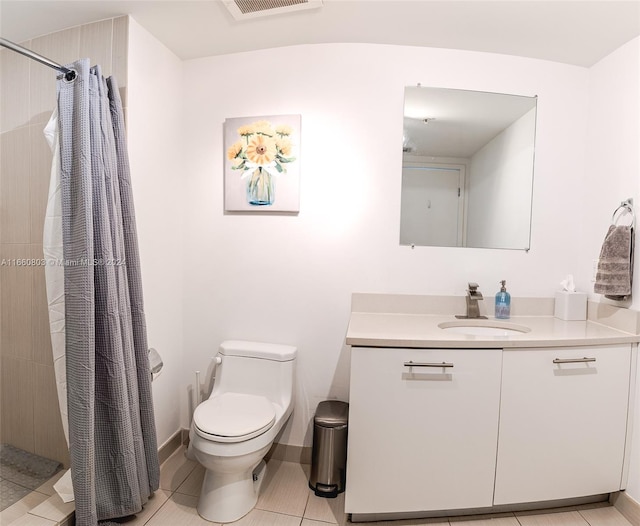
32,491
159,507
306,505
287,514
170,492
22,485
589,509
583,518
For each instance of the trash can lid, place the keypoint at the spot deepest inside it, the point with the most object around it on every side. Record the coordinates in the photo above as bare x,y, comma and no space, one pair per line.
332,413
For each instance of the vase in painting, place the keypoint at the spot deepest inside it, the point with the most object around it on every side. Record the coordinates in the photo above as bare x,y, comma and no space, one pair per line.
260,188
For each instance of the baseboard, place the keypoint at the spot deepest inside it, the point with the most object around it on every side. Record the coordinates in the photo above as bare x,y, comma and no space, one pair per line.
629,507
475,513
289,453
169,447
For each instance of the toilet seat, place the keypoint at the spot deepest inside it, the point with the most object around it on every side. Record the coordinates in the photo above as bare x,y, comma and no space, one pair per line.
233,417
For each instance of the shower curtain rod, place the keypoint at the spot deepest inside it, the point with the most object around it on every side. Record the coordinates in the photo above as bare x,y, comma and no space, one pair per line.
69,74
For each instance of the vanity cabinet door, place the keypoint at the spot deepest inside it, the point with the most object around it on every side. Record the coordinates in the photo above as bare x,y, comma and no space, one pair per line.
562,423
420,437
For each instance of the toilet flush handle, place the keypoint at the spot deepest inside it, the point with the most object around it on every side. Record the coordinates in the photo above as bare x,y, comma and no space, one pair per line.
217,360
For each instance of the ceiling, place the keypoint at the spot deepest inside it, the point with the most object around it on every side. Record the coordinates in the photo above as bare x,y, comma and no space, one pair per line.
573,32
457,123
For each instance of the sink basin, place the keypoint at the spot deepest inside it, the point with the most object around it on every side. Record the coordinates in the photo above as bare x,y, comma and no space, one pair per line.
499,329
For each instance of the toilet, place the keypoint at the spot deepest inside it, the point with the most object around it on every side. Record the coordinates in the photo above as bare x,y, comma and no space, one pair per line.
234,428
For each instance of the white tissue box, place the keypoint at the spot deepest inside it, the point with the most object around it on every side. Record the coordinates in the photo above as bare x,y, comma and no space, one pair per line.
571,306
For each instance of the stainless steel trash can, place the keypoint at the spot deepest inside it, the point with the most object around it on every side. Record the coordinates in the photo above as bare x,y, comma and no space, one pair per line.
329,454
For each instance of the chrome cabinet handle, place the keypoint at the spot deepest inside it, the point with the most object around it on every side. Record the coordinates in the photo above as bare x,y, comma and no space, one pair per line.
574,360
427,364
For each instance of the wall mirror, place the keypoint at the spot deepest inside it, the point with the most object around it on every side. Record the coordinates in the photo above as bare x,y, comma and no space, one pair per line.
467,168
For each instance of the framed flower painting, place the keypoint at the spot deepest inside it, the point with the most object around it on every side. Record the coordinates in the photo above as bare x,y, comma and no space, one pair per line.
262,164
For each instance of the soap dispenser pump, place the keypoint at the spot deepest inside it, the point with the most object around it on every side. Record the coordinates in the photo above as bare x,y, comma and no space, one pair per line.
503,302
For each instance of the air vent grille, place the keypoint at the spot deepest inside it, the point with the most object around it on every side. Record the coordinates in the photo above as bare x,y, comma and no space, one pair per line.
251,6
242,9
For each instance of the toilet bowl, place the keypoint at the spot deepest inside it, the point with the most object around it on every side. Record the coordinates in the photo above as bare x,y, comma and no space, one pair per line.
234,428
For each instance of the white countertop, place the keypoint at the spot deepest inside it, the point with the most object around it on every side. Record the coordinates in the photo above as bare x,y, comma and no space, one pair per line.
418,329
367,329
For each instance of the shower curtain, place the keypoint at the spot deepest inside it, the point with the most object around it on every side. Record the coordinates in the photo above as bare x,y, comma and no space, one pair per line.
112,438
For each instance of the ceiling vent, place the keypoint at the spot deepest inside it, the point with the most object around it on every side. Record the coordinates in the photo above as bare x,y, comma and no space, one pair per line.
243,9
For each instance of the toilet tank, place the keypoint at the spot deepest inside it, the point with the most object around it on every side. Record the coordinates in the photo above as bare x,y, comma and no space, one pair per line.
263,369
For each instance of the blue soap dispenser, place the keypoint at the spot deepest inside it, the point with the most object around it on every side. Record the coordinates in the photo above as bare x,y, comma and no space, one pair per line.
503,302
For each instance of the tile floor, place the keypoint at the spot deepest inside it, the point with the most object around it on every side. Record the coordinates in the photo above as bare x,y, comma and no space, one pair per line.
22,472
34,500
286,500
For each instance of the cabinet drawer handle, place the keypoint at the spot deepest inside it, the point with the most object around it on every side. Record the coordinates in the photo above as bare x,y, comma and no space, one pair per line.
574,360
427,364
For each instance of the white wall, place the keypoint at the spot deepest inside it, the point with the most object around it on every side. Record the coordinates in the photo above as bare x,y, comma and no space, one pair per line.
612,174
289,278
500,188
154,122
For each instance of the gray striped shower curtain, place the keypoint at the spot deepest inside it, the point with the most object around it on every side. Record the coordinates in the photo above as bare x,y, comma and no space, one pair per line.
112,437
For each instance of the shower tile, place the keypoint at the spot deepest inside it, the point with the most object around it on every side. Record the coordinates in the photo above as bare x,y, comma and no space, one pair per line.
14,179
10,492
15,298
96,43
285,489
48,437
47,487
14,83
40,175
17,476
62,47
41,336
26,469
17,510
17,403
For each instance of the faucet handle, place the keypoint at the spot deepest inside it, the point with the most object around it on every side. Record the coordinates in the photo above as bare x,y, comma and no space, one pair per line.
473,287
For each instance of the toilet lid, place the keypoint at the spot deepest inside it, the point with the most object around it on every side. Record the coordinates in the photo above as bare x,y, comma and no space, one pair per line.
235,415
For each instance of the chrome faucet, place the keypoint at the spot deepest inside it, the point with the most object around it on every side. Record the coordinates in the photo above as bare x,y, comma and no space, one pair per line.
473,309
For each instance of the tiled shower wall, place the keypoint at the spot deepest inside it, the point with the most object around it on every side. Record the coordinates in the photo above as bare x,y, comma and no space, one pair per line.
30,414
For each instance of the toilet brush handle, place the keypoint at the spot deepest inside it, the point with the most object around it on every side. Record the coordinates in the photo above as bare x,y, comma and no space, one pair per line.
197,389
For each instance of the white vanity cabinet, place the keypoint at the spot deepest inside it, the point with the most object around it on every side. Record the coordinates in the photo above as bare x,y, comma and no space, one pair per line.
563,422
423,428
